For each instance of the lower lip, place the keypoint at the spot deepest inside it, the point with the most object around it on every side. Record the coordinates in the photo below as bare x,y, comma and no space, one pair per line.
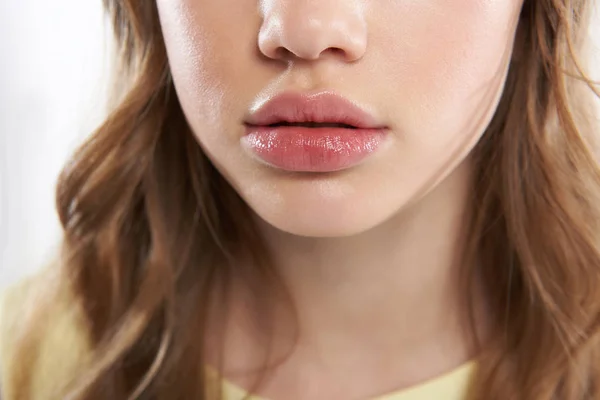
302,149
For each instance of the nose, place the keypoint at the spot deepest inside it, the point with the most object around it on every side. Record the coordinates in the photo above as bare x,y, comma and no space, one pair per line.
310,29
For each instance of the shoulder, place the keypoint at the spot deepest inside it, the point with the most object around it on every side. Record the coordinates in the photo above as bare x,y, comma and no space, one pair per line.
42,336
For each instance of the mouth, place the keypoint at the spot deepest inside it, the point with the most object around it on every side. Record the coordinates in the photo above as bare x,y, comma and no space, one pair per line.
320,132
317,110
312,124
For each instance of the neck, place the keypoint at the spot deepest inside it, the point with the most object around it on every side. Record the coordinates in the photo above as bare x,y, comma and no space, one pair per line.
385,299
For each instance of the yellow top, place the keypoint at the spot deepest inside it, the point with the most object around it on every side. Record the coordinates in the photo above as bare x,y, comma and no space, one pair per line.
451,386
62,349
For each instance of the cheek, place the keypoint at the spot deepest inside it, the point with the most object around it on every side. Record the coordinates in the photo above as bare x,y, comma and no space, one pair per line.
190,48
208,79
449,62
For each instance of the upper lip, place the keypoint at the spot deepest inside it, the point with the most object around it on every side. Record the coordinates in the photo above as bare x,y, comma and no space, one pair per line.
317,108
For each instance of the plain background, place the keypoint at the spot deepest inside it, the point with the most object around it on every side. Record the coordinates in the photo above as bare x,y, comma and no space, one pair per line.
54,65
53,68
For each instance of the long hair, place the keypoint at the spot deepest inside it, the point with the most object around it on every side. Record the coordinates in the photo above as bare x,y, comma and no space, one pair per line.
151,228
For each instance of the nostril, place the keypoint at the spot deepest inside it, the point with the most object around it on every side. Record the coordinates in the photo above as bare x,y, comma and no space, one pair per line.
335,51
281,53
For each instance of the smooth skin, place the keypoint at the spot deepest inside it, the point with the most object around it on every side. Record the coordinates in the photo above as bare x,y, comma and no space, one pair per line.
369,253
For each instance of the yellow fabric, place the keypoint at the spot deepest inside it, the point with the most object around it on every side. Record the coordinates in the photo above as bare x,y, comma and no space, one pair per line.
454,385
62,347
58,347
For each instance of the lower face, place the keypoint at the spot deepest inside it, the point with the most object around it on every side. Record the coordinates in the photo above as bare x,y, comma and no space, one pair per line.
428,73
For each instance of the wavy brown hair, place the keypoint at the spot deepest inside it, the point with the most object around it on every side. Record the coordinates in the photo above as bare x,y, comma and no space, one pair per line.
151,229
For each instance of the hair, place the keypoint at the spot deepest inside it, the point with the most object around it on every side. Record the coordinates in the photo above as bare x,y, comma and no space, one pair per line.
151,229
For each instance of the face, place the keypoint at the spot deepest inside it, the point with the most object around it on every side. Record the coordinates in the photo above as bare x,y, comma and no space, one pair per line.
329,117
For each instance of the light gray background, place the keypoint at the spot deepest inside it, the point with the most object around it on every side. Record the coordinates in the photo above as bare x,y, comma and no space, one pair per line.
53,64
54,58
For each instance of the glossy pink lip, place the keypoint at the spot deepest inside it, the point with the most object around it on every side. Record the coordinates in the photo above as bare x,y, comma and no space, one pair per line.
320,132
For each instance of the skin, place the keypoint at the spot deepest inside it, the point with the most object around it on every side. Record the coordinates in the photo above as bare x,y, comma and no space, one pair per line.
369,253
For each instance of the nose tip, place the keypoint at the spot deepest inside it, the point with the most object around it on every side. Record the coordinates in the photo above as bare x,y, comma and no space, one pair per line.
313,32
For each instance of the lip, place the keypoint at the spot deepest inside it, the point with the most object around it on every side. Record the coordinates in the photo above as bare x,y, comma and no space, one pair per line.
317,132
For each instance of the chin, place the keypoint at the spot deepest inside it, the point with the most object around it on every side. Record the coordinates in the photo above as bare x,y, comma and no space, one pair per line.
335,226
323,209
